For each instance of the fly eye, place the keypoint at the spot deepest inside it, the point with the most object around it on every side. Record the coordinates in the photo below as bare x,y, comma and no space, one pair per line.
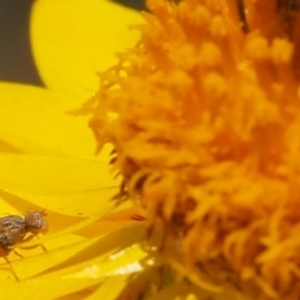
34,220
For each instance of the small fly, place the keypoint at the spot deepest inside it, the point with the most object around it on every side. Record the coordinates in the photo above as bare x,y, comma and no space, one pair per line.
13,228
291,5
287,8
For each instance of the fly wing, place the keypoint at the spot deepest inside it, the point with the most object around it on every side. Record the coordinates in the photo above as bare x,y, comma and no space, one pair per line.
4,237
2,229
12,230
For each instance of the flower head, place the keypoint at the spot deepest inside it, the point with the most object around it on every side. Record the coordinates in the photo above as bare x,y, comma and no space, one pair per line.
204,116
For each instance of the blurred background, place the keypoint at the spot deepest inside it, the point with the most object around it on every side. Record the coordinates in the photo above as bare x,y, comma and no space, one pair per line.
16,62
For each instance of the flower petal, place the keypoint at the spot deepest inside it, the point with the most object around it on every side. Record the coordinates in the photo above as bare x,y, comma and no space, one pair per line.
35,120
64,185
106,292
77,267
80,42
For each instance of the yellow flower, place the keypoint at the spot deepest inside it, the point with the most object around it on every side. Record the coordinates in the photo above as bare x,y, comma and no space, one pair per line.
206,135
47,162
203,116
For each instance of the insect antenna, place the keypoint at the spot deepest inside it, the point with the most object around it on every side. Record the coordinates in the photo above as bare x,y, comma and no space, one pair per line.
242,15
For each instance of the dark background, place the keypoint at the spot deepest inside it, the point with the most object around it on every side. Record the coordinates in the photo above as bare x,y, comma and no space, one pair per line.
16,63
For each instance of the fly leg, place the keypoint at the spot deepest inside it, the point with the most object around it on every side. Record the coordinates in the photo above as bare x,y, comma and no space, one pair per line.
4,253
28,239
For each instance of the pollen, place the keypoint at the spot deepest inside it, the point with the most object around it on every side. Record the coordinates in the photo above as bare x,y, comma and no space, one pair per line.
206,135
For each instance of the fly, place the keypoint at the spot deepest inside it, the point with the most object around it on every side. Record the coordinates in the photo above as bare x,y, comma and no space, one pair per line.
287,8
13,228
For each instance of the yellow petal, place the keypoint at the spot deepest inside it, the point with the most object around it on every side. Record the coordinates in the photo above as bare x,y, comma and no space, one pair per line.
72,40
106,292
41,174
76,267
31,266
35,120
45,287
64,185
